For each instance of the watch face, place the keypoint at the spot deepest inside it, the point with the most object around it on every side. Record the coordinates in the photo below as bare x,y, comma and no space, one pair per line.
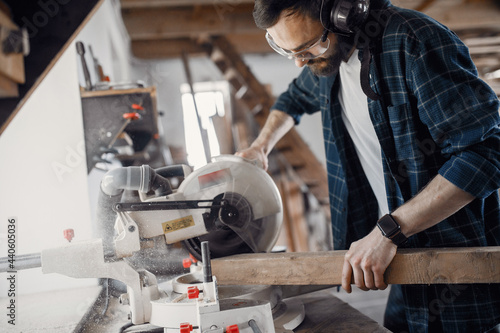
387,225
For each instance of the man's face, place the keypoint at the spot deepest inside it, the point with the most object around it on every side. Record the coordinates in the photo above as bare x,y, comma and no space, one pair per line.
297,32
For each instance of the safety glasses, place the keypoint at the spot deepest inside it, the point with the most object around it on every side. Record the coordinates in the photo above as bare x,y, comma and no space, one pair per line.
315,50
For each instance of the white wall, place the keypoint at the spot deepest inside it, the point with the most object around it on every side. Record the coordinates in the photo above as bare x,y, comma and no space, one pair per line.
43,173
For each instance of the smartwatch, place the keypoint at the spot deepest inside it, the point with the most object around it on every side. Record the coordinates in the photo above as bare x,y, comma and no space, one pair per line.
391,229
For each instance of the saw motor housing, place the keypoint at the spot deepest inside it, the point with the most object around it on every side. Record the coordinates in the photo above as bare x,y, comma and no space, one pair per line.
231,202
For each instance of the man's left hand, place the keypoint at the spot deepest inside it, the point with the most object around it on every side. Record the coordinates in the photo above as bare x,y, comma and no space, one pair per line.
367,259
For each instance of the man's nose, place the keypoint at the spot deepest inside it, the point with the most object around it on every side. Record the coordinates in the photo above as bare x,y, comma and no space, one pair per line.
300,63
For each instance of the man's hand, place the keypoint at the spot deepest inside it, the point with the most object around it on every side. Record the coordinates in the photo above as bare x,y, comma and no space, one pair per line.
278,123
254,153
368,259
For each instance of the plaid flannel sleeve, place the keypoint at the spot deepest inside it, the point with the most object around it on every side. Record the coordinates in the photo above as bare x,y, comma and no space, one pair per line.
461,112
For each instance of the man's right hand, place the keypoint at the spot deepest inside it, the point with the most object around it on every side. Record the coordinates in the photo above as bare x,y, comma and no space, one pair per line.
277,125
254,153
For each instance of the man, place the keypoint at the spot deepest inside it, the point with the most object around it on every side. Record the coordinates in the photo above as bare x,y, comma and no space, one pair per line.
412,140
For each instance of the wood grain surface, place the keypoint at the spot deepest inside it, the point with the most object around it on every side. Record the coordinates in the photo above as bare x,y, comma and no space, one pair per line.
409,266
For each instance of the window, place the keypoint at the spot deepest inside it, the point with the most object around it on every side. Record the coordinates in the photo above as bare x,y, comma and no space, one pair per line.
210,103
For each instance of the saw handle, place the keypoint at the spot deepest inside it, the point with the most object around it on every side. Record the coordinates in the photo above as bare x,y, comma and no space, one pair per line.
179,170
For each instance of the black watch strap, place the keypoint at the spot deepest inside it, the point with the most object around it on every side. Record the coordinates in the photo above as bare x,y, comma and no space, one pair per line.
391,229
399,238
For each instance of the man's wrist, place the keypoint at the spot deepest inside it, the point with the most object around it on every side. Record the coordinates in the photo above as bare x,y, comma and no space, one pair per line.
391,229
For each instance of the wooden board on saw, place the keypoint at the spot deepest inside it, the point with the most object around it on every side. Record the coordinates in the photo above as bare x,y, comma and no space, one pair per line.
409,266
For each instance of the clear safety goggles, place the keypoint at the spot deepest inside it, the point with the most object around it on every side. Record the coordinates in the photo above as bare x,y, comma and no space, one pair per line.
315,50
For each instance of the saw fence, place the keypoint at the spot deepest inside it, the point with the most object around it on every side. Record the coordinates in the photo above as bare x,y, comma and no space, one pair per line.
409,266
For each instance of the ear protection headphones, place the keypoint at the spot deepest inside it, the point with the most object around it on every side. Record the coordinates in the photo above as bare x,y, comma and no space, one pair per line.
343,16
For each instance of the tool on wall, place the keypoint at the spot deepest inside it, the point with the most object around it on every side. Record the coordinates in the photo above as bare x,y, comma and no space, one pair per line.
203,131
99,72
80,49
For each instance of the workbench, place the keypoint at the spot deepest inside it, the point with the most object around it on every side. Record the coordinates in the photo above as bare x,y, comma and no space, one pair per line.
326,313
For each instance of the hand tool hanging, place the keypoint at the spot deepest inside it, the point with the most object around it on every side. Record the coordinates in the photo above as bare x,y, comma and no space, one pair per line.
80,49
97,67
203,132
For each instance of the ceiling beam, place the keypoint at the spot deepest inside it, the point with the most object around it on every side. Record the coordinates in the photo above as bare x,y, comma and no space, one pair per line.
460,14
173,48
172,3
186,21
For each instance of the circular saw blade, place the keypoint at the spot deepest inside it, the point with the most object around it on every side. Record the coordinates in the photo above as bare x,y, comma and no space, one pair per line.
251,221
237,212
238,232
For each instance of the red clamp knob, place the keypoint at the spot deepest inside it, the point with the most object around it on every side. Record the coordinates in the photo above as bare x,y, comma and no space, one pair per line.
232,329
193,292
186,263
69,234
131,116
137,107
186,328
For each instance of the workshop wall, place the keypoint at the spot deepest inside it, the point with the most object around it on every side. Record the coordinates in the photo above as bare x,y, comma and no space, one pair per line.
43,174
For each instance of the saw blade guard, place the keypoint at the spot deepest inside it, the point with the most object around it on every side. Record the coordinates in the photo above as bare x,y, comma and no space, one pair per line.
254,211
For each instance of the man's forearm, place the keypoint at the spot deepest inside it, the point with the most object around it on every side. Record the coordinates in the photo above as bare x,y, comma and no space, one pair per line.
368,258
277,125
437,201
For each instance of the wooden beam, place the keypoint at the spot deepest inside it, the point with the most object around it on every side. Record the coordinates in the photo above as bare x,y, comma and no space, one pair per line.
465,15
174,22
172,48
410,266
170,3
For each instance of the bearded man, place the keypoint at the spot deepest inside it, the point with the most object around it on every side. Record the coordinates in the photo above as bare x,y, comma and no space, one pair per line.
412,141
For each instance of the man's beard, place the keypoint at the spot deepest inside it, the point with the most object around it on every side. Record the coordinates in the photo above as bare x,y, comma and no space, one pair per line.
328,66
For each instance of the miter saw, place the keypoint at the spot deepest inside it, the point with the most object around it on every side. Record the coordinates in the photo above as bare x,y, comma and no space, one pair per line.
227,207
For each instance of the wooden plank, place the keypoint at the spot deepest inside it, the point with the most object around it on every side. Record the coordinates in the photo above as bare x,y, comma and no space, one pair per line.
464,14
173,47
175,22
410,266
113,92
171,3
8,88
11,65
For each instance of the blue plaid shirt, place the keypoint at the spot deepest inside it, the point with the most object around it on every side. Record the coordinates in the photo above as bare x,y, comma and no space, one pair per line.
435,117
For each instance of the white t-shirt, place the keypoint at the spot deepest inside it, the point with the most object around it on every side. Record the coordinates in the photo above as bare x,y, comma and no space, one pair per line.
360,127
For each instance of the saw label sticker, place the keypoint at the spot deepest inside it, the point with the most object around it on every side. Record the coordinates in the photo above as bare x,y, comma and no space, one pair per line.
174,225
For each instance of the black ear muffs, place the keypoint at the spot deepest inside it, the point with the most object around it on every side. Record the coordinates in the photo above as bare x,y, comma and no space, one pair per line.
344,16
